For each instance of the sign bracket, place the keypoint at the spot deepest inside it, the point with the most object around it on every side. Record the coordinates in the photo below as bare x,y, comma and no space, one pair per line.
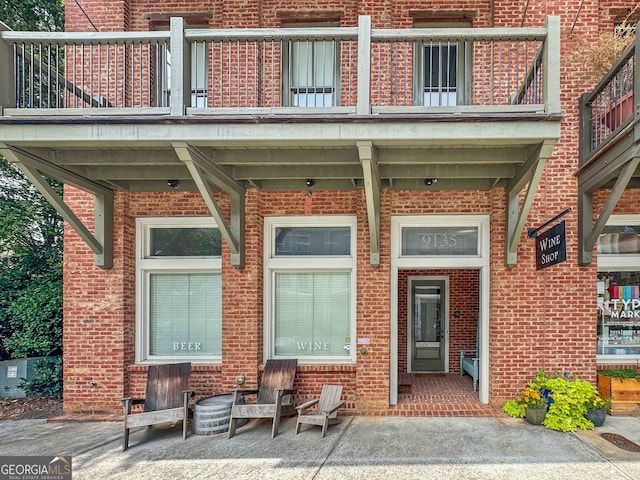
533,232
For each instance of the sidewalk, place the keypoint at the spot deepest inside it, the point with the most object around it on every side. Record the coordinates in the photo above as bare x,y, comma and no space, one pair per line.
358,448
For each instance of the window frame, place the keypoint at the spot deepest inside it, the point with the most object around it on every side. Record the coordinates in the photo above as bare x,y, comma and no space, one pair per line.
613,262
463,65
286,74
312,263
147,265
199,62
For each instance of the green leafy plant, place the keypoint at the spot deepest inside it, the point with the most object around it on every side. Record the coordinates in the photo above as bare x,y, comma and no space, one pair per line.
621,373
514,409
571,398
47,379
597,402
5,401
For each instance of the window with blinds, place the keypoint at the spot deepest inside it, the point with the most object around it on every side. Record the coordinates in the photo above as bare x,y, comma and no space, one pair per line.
312,313
310,284
179,289
310,73
185,314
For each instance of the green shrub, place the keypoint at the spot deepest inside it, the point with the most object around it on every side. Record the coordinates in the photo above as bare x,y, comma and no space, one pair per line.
571,397
570,401
514,409
620,373
47,379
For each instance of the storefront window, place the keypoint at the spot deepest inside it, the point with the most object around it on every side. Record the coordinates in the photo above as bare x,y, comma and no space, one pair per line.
312,314
618,288
185,314
618,313
179,290
619,239
310,283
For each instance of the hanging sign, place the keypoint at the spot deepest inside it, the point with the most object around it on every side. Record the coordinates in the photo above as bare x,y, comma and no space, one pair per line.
551,246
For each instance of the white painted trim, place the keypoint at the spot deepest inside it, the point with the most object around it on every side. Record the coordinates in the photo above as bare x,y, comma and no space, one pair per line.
445,311
480,262
273,264
145,266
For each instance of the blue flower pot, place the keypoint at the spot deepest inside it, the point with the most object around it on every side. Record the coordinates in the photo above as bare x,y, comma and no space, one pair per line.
597,416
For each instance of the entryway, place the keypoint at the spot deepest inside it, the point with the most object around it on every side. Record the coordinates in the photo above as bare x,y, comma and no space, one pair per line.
427,326
433,316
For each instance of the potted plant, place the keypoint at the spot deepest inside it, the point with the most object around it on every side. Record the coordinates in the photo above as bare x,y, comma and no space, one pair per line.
535,405
597,409
569,399
622,385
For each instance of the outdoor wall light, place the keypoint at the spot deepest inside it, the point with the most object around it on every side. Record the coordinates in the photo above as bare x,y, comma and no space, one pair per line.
430,181
310,182
173,183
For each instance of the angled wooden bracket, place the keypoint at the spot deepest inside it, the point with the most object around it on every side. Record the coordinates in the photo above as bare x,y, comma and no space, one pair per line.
516,214
206,173
589,232
35,169
366,152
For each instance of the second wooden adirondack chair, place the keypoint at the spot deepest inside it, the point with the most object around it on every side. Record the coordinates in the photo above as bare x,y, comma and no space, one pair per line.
166,399
326,411
274,396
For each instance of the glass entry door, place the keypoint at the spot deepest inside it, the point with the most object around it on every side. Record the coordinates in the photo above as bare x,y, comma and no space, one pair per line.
427,325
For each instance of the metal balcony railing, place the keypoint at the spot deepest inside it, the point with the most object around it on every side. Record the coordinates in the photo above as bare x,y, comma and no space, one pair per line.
355,70
609,110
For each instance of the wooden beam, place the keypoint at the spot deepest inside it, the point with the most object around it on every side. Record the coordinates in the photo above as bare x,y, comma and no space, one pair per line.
234,234
588,233
366,152
54,171
101,241
214,173
363,106
516,215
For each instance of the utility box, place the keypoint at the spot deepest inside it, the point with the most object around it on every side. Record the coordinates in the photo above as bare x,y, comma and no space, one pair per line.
13,372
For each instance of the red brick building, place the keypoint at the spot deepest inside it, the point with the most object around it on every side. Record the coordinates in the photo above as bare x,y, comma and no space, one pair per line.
346,183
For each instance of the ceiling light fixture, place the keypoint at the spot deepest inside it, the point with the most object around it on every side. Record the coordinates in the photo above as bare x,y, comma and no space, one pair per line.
430,181
173,183
310,182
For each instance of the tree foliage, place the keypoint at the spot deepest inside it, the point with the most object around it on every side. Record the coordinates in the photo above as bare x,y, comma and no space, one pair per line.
41,15
30,231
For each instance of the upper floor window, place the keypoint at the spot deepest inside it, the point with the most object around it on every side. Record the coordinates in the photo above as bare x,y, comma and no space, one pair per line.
442,70
199,63
199,68
310,73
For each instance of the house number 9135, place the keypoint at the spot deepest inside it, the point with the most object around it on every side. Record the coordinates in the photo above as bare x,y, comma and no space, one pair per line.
437,240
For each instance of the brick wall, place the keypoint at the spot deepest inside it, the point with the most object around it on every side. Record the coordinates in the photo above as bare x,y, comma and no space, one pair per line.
538,319
464,297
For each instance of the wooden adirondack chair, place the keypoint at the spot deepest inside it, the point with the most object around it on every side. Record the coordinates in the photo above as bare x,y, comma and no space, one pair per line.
166,399
274,396
326,411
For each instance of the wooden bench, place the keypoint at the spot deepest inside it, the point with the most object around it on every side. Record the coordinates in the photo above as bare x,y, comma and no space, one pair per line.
469,360
469,364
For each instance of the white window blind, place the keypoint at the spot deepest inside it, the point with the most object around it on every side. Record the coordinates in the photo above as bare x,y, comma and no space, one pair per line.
185,314
312,313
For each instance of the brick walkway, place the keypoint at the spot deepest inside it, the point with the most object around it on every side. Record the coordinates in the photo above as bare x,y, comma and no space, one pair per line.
439,395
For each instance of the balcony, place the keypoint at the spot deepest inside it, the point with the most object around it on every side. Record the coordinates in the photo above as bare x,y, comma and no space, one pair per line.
269,108
609,146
